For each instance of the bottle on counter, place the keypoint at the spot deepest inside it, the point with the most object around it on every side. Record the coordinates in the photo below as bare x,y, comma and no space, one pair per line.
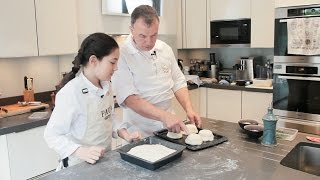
269,130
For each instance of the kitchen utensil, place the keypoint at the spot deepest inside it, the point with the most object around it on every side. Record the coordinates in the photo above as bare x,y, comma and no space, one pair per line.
245,122
146,164
313,139
253,131
218,139
16,109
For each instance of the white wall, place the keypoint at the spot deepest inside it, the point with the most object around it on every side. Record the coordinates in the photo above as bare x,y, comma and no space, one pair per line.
46,71
90,19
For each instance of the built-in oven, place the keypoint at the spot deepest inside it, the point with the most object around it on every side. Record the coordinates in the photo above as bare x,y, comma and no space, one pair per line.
234,33
296,72
282,15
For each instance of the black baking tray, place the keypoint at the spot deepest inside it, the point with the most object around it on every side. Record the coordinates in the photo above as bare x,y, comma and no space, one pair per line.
147,164
218,139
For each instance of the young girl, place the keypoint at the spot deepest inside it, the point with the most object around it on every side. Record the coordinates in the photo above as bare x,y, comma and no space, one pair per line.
82,123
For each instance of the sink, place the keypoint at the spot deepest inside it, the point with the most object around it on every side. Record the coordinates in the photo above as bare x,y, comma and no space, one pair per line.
304,157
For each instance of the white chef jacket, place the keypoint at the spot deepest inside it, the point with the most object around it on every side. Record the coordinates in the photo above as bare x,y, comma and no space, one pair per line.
154,78
68,121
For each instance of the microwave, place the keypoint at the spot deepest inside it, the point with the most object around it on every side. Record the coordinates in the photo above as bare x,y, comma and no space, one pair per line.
230,33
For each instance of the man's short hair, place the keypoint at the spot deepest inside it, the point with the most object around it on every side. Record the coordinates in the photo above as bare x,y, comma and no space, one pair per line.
148,13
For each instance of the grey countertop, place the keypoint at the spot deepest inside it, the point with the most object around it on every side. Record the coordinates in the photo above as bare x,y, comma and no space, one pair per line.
21,122
239,158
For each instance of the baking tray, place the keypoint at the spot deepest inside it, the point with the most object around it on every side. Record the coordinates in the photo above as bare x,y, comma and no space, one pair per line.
147,164
218,139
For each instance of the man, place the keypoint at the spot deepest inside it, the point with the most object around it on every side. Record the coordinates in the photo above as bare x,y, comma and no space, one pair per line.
148,77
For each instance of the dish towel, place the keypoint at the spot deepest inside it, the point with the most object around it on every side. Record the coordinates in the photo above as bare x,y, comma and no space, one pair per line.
194,79
304,36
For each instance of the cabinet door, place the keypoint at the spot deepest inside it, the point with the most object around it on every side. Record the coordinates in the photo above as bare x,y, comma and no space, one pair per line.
195,24
18,36
286,3
224,105
30,147
203,102
262,24
177,108
116,143
229,9
56,27
255,105
4,159
195,99
192,26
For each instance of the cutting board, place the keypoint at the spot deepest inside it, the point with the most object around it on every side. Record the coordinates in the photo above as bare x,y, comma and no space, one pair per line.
16,109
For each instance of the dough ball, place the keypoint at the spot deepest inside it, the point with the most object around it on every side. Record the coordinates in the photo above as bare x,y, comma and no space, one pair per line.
206,135
194,139
173,135
192,128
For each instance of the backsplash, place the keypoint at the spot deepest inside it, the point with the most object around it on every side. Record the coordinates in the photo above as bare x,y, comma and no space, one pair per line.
45,70
227,56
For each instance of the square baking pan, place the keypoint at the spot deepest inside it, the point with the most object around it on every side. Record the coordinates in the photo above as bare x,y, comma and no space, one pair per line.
147,164
218,139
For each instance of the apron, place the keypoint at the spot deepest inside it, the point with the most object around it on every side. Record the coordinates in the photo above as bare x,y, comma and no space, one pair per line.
99,123
146,126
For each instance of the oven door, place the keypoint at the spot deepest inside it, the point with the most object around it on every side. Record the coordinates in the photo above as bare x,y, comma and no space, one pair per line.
230,33
297,97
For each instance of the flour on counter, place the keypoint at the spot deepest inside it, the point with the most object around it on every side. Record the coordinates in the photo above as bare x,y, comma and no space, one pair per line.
151,152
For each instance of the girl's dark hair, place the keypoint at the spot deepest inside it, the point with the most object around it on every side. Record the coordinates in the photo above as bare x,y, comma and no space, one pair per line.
98,44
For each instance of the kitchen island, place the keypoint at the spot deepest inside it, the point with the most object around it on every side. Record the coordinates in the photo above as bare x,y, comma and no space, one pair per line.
239,158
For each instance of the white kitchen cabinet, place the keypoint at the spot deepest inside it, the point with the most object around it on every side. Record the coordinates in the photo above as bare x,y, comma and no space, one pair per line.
229,9
195,100
262,24
255,105
117,142
177,108
287,3
18,35
37,28
203,102
193,24
56,27
26,155
224,105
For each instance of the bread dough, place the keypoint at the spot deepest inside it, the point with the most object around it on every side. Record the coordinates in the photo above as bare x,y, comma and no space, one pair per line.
173,135
151,152
194,139
206,135
192,128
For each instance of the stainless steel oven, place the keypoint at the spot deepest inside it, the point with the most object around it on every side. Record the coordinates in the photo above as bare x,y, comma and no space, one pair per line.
296,83
281,32
296,94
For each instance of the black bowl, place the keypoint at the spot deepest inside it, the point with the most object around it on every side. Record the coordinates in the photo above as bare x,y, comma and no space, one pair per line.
254,131
245,122
240,82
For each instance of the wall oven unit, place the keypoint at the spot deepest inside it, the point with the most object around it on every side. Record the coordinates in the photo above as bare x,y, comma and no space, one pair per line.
282,15
296,83
230,33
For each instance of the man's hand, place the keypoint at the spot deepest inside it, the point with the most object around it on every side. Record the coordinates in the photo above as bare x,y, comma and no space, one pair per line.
195,118
90,154
174,124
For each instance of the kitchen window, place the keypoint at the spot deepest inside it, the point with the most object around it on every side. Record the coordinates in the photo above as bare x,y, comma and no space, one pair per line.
125,7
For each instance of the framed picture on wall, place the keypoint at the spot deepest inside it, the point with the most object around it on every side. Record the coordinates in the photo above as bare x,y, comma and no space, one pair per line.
125,7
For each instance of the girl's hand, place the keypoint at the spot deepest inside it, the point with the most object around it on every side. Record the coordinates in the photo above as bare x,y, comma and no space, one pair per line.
90,154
